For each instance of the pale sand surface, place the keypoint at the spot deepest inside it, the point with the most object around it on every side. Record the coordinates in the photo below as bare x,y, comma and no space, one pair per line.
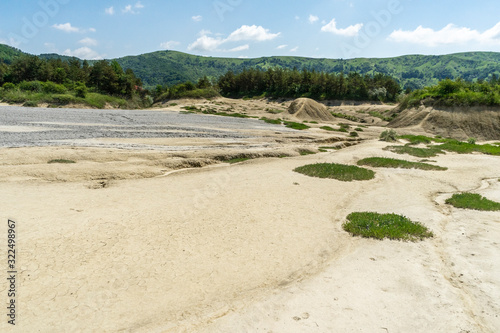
251,247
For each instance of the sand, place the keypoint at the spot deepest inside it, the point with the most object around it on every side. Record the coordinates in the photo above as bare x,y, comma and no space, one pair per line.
249,247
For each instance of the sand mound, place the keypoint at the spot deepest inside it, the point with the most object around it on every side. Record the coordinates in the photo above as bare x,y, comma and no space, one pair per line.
308,109
460,123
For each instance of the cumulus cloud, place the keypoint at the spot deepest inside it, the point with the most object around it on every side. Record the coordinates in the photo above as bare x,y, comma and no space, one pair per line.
66,27
246,33
197,18
169,45
255,33
110,10
313,19
281,47
84,53
450,34
350,31
88,41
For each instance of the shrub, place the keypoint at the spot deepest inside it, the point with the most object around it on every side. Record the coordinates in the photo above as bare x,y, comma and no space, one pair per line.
471,141
30,104
53,88
354,134
389,136
33,86
9,86
81,90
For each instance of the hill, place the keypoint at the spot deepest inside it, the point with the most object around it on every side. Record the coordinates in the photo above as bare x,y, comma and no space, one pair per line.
9,54
412,71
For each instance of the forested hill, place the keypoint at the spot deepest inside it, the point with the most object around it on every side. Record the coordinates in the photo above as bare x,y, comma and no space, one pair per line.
412,71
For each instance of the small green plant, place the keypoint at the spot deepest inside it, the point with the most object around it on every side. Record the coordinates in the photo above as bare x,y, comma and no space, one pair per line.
389,136
354,134
473,201
358,129
271,121
30,104
380,226
382,162
345,116
417,152
327,128
304,152
336,171
471,141
274,111
61,161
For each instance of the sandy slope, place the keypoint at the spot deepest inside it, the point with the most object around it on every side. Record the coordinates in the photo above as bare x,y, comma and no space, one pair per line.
255,247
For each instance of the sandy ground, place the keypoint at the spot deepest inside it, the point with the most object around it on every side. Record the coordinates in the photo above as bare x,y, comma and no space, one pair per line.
117,243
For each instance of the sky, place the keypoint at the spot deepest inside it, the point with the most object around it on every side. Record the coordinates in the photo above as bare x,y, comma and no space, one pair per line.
346,29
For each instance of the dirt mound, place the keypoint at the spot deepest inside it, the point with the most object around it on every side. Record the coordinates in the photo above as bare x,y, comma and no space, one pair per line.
459,123
308,109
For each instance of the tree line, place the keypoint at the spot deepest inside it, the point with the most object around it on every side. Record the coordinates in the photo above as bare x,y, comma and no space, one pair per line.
103,76
278,82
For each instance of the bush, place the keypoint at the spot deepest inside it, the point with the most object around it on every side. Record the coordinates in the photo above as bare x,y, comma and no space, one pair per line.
389,136
30,104
471,141
53,88
81,90
354,134
33,86
9,86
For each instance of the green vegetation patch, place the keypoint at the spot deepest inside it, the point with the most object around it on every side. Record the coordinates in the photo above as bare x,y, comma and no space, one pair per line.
381,162
340,172
413,151
345,116
61,161
380,226
296,126
473,201
389,136
271,121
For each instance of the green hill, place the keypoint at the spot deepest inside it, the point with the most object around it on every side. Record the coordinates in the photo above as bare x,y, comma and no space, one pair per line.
9,54
412,71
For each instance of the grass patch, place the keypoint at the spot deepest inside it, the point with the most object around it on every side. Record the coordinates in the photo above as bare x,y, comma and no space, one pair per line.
271,121
61,161
345,116
334,148
388,136
413,151
473,201
381,162
340,172
380,226
377,114
274,111
296,126
304,152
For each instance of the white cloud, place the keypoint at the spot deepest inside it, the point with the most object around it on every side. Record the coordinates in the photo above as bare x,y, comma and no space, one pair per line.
295,49
245,33
206,43
88,41
240,48
450,34
350,31
297,17
66,27
129,9
84,53
313,19
256,33
92,30
110,10
169,45
197,18
281,47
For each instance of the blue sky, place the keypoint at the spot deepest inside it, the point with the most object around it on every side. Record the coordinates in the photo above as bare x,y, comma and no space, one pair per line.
93,29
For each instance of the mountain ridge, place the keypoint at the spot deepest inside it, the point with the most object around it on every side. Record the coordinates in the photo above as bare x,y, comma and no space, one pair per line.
412,71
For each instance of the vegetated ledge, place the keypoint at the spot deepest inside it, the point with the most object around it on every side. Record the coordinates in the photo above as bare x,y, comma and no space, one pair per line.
457,122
